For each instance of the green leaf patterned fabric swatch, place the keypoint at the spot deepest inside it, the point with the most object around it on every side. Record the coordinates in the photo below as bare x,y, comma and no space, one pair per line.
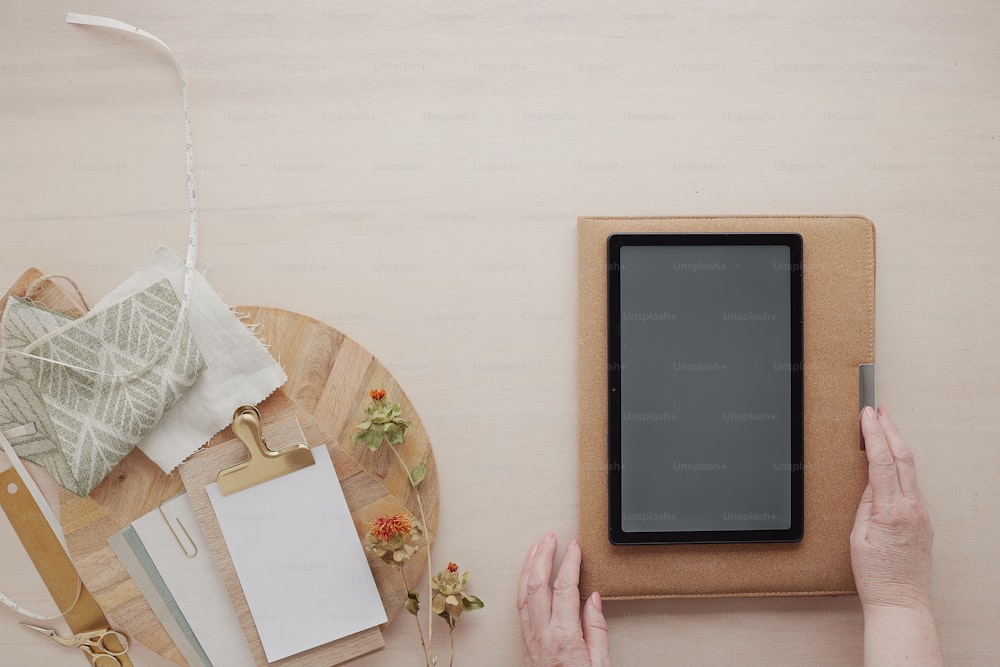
20,400
94,420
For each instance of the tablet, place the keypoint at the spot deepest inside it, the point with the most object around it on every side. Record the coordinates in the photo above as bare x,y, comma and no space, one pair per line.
705,424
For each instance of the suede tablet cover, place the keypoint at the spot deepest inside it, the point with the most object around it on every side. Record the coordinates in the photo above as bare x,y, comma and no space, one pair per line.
839,313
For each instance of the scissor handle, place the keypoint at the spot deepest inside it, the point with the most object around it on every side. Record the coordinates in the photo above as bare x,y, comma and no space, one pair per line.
99,640
101,659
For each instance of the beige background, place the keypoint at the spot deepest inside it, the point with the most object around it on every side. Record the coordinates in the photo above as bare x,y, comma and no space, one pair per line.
411,173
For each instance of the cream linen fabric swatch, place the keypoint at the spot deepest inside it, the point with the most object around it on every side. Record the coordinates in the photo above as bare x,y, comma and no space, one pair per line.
99,417
240,370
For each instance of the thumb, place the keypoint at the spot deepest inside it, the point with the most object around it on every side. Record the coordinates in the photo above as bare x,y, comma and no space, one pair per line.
595,632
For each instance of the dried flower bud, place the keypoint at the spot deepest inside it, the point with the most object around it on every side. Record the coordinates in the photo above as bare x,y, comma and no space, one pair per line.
449,597
383,422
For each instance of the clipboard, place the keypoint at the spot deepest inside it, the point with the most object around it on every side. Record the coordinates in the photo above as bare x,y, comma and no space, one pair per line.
284,425
839,321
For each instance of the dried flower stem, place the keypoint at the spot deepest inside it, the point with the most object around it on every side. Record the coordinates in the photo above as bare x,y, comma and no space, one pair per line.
420,630
430,591
451,633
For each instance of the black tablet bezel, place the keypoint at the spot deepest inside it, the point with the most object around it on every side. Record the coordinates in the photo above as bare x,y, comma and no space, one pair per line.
615,533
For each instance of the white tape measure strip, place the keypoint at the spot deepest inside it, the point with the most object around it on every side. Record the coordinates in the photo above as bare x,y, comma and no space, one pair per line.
192,242
191,255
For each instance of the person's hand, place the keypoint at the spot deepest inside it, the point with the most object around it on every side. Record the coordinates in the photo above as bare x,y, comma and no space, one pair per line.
551,631
892,536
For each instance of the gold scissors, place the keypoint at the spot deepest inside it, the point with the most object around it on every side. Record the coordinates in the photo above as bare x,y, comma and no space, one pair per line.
93,644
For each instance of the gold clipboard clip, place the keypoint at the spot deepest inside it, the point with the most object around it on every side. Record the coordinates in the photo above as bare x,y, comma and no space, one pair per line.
264,464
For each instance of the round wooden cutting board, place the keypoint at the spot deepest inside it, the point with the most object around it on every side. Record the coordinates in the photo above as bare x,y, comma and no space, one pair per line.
329,377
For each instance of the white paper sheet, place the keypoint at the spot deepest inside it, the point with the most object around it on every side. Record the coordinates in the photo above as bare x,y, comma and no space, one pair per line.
199,592
299,560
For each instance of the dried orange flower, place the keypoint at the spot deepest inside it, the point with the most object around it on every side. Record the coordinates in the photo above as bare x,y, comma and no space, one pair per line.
387,527
377,394
394,538
452,567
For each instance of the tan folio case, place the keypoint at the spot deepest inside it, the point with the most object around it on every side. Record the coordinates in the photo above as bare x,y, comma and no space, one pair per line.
839,334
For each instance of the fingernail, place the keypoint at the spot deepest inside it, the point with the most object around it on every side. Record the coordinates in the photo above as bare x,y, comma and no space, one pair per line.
531,550
868,412
549,535
573,544
595,599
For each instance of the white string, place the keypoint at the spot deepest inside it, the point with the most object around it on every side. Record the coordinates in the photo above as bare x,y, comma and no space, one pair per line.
29,484
63,363
191,256
29,293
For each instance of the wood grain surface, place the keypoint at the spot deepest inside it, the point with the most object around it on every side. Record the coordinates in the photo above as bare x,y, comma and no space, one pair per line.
329,379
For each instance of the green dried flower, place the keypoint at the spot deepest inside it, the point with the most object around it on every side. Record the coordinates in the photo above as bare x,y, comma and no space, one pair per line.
450,598
384,422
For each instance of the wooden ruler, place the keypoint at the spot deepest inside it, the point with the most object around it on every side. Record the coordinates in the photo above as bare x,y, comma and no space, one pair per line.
52,562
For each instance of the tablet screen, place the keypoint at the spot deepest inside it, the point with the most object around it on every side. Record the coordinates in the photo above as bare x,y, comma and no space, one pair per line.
705,388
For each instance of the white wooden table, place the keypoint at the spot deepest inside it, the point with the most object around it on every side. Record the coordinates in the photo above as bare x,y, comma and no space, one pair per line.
411,174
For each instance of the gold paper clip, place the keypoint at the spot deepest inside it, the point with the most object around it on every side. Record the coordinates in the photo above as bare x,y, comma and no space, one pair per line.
264,464
176,536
